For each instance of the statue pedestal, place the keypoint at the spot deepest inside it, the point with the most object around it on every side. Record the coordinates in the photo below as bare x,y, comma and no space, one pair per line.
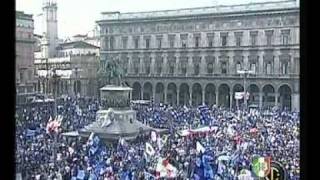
119,120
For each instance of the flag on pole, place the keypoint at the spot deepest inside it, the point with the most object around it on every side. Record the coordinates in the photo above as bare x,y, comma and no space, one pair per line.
200,148
261,166
153,136
53,125
149,149
165,170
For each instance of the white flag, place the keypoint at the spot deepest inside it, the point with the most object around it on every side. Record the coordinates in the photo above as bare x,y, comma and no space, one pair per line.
149,149
153,136
200,148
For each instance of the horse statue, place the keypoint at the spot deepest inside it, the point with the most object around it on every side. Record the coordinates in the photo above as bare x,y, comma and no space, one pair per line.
112,71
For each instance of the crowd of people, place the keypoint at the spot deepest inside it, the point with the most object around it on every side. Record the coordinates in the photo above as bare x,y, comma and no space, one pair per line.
43,155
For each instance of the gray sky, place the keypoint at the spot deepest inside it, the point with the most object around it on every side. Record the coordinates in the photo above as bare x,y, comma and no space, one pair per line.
79,16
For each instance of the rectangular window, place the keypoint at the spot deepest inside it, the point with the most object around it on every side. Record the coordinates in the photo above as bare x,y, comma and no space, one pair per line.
285,34
136,43
197,42
253,40
196,69
111,43
269,38
285,40
171,43
268,68
147,66
284,68
253,67
124,43
210,37
210,44
159,43
224,68
223,40
21,76
183,43
269,34
238,67
147,43
238,39
159,68
106,44
210,68
136,68
253,37
171,68
183,68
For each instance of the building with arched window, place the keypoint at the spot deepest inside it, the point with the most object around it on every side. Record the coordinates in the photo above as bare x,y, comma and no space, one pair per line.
192,56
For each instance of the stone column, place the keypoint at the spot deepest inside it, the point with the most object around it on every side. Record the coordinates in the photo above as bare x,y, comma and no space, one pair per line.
190,97
276,65
154,93
178,93
231,99
176,68
165,66
130,95
245,62
295,101
217,96
260,60
142,70
130,65
203,70
203,96
260,99
190,69
165,95
141,95
276,95
152,65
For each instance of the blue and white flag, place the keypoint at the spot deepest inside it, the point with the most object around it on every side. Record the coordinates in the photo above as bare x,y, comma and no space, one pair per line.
81,174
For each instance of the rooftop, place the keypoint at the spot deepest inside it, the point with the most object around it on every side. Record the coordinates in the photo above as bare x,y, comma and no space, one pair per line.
76,44
264,6
22,15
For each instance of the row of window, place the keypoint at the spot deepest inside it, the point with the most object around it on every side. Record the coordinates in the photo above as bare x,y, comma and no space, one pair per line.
285,38
268,68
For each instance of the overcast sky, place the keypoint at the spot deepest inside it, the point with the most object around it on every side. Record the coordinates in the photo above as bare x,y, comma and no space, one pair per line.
79,16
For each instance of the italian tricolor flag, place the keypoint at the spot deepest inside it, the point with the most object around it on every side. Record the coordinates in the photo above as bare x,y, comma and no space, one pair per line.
261,166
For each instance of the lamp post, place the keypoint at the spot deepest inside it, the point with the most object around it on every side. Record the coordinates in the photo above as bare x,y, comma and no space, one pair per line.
245,72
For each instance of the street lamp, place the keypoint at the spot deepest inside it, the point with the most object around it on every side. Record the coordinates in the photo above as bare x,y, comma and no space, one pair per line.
245,72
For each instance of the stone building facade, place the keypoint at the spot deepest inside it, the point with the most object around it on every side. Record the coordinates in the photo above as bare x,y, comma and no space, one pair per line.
24,69
192,56
76,63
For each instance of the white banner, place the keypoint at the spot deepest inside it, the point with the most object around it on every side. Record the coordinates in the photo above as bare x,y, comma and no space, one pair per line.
240,95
